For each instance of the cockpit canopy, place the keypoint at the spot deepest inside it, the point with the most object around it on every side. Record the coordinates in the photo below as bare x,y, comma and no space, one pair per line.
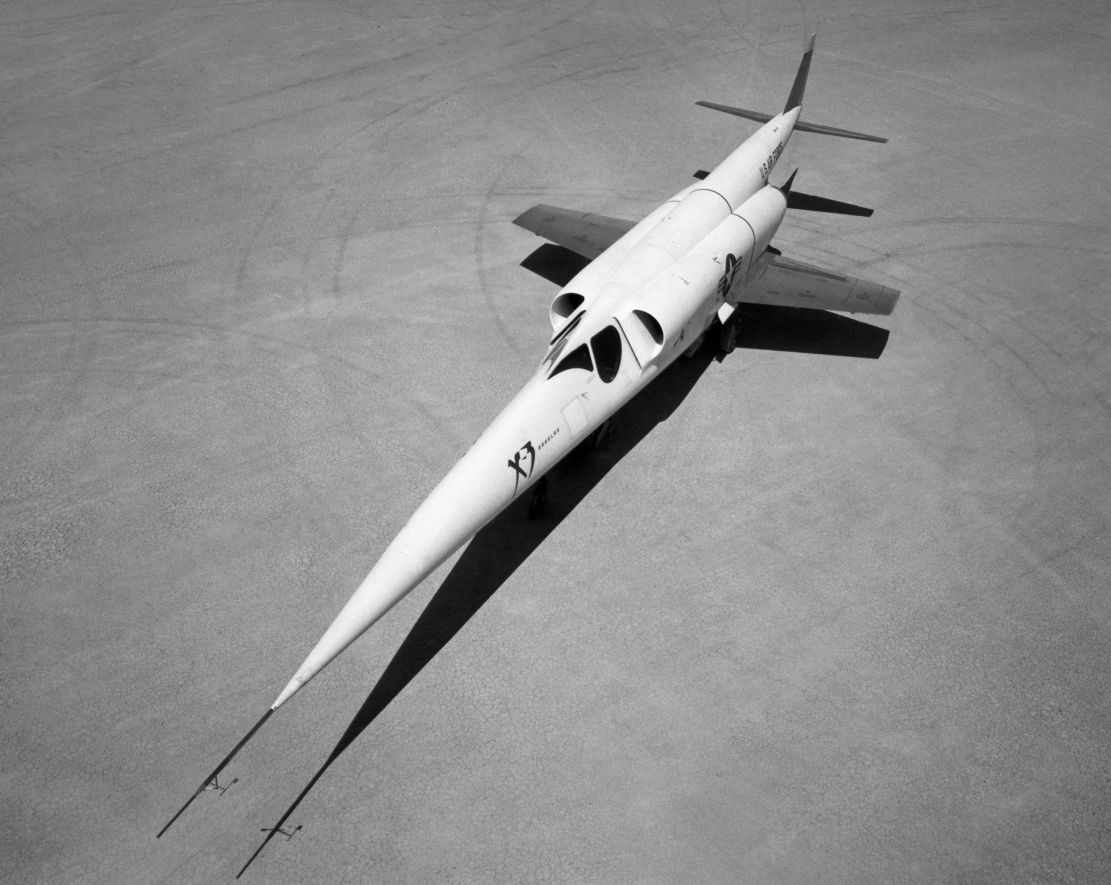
579,358
603,352
607,352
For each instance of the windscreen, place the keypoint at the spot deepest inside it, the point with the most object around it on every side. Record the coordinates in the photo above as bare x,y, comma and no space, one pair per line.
607,352
579,358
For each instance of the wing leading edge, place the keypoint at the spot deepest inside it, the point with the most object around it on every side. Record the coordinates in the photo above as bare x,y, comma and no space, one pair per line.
783,283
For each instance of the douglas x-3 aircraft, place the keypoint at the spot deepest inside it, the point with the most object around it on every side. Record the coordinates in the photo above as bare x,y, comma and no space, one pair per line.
649,291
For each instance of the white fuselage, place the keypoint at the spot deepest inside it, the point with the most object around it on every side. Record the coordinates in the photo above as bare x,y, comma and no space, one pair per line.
623,319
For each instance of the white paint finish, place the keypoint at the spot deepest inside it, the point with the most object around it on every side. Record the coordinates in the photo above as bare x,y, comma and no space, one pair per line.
677,270
575,416
830,621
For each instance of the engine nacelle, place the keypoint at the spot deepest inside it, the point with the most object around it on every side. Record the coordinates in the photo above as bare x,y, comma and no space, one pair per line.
564,305
645,252
678,306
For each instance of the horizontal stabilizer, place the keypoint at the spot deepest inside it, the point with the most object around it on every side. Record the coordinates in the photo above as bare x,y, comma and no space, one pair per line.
803,126
757,116
800,126
810,203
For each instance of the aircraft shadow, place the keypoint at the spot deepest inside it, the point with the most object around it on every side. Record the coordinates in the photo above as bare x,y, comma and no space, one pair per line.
800,330
500,548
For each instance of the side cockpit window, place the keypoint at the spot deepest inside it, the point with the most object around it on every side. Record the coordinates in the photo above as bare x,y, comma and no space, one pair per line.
607,352
579,358
567,327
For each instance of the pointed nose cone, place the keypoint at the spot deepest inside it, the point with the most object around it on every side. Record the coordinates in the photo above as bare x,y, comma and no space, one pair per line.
394,575
289,691
472,493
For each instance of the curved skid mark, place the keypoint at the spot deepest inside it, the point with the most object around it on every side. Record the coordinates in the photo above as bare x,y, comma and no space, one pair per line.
307,251
739,30
341,254
1021,397
963,92
980,220
315,504
408,114
960,321
861,239
419,107
284,344
272,207
242,460
480,256
494,190
78,79
77,357
421,54
219,331
985,340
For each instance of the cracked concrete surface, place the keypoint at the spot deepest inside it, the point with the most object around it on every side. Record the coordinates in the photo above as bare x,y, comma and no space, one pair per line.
833,620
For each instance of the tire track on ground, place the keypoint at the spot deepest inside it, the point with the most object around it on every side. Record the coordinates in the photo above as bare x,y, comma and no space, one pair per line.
269,449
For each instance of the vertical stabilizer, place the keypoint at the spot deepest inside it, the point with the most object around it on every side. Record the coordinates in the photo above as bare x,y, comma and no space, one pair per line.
794,100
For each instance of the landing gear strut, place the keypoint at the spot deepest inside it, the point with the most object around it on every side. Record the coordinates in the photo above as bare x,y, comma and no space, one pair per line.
538,499
598,437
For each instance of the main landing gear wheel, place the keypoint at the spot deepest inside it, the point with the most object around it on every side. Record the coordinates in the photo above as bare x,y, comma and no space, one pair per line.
598,437
727,338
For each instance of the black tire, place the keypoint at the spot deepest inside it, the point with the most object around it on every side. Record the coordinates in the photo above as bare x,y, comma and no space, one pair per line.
727,338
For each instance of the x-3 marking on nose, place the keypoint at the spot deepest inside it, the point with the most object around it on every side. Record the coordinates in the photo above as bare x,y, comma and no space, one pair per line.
514,464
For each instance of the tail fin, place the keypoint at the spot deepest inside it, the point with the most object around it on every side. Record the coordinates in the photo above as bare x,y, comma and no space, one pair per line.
785,188
794,100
